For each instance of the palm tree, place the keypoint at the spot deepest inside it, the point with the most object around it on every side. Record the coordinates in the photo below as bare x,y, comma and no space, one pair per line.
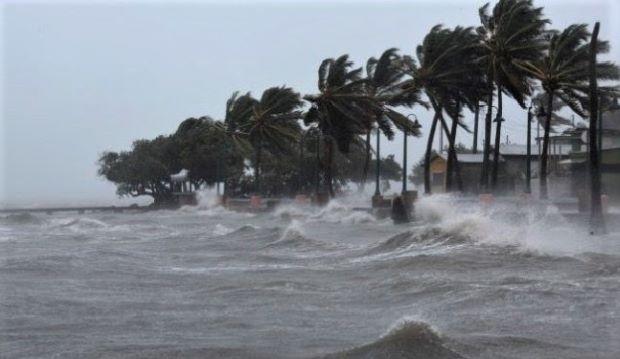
342,110
383,82
448,75
272,124
511,33
238,109
563,74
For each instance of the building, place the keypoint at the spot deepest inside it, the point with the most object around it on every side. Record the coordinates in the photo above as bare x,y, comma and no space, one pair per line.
609,152
470,165
181,188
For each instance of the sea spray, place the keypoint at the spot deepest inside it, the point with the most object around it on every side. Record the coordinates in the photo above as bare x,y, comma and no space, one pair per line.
531,227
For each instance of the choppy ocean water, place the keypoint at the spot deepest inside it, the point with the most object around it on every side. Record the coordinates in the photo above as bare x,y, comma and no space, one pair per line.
302,282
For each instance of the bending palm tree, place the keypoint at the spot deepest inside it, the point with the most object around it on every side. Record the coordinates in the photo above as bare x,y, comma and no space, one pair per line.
342,110
448,75
563,73
384,84
272,124
238,109
511,33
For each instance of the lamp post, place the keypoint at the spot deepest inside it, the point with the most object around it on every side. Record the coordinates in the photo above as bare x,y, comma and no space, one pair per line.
474,147
404,161
540,115
405,134
528,162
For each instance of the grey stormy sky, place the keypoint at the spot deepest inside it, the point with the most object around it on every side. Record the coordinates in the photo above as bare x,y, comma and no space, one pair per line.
83,77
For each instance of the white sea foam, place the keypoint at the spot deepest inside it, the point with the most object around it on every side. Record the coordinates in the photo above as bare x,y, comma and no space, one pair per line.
78,223
208,205
221,230
531,227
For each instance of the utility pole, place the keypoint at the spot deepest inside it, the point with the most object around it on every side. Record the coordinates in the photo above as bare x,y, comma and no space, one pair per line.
440,142
404,161
378,164
600,129
528,163
597,222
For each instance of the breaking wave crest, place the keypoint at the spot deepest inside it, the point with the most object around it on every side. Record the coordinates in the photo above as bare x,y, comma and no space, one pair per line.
425,237
408,339
294,237
534,228
79,223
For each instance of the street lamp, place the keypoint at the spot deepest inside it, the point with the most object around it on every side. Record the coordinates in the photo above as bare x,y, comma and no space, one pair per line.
405,134
528,163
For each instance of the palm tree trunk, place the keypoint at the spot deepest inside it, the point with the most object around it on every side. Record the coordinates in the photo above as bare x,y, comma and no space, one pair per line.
257,168
484,177
452,160
498,138
452,165
476,117
366,162
545,149
427,156
597,222
329,159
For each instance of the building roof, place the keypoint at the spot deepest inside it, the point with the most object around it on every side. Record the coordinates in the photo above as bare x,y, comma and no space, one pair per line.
468,157
513,149
181,176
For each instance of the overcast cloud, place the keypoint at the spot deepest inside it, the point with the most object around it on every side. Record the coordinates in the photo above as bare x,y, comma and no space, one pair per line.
81,78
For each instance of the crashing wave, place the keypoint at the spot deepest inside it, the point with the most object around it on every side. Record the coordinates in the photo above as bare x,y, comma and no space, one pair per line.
79,223
409,339
221,230
534,228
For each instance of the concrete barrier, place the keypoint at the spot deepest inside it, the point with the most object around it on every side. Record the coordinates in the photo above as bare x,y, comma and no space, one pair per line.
302,199
321,198
486,198
255,202
380,202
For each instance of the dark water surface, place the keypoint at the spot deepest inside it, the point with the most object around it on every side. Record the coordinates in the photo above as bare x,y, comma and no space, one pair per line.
462,282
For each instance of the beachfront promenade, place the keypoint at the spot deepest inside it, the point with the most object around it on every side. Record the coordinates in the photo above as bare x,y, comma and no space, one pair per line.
50,210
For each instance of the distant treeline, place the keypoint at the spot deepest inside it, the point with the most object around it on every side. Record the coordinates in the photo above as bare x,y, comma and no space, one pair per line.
211,156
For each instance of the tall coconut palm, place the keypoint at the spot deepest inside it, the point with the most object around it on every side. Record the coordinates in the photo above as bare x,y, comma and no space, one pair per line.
342,110
238,110
510,33
446,73
563,74
383,82
272,124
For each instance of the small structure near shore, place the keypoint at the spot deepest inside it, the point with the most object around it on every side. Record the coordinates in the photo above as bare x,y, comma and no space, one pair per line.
181,188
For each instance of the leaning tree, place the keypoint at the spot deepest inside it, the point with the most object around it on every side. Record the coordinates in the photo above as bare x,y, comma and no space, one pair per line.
272,124
563,74
510,33
384,77
448,75
342,110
